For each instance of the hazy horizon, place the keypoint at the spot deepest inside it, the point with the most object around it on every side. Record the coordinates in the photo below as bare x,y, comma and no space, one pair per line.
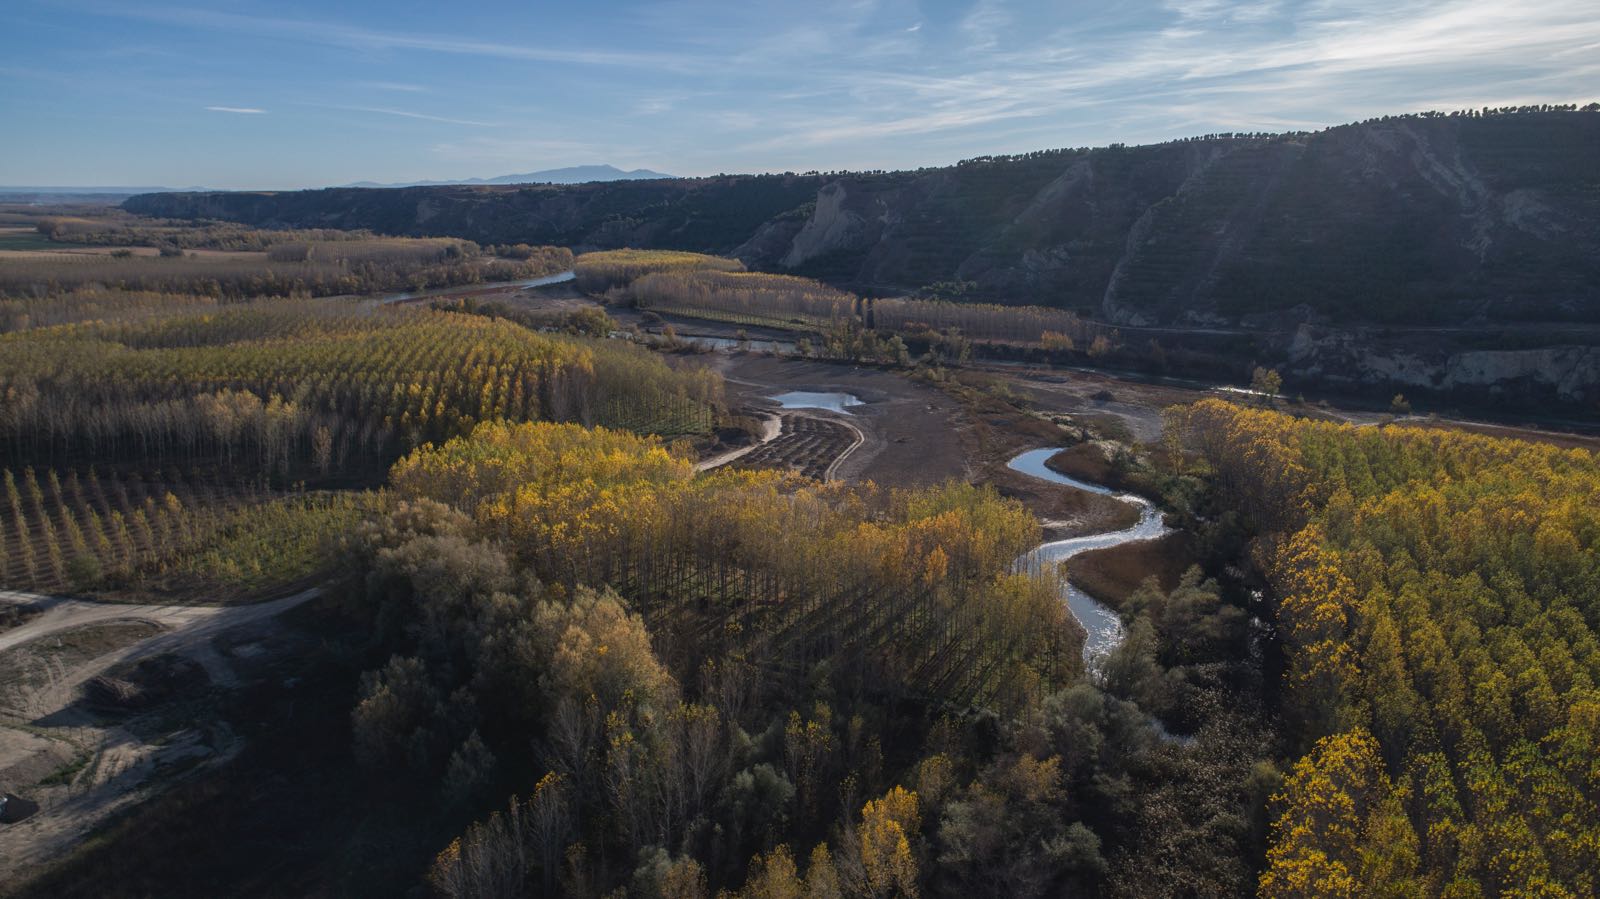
213,95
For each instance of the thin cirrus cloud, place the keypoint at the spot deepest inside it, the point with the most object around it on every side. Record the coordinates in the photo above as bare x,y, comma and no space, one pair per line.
339,35
420,116
1209,65
398,86
701,86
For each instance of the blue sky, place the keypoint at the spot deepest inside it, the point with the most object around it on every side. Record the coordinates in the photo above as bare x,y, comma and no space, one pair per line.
292,94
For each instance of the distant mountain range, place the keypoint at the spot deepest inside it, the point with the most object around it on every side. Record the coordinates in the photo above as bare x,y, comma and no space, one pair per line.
78,196
577,174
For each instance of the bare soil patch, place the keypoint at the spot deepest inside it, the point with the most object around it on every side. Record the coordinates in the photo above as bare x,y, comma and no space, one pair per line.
1097,399
807,445
912,433
36,663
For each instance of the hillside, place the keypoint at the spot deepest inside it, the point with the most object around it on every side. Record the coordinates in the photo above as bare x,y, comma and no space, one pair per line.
697,214
1415,220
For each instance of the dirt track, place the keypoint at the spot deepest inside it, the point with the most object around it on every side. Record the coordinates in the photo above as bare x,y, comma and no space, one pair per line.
186,627
904,434
45,730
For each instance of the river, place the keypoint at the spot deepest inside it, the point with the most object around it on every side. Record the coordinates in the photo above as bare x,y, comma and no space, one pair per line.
547,280
1103,625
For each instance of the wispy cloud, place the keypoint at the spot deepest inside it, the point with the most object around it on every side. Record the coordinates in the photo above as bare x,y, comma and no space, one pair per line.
392,86
408,114
705,85
984,23
1213,65
340,35
658,104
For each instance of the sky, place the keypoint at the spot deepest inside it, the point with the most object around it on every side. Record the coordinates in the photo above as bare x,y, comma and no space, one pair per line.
263,95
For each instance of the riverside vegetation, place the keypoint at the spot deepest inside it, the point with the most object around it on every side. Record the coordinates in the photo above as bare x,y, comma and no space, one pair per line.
598,672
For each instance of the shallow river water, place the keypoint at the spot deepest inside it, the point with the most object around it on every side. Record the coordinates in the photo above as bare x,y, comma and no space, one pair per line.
1103,624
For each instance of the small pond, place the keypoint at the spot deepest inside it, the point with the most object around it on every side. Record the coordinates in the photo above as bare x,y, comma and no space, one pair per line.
832,402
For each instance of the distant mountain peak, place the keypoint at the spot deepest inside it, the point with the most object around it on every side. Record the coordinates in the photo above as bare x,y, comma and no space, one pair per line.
576,174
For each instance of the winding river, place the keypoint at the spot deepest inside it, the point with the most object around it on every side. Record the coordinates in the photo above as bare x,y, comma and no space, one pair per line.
1103,625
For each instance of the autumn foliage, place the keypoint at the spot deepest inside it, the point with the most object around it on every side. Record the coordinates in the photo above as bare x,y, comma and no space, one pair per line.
1439,594
919,592
600,271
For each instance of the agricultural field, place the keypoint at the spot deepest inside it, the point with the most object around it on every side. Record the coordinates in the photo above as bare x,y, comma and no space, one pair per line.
837,324
808,445
601,271
24,240
231,263
183,411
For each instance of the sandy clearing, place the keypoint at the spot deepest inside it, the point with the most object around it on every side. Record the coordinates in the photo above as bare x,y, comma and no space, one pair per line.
48,728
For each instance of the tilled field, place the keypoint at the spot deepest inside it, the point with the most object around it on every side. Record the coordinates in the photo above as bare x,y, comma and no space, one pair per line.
807,445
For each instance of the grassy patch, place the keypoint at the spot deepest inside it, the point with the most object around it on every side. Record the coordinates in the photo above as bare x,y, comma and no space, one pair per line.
263,549
1112,574
26,240
1085,461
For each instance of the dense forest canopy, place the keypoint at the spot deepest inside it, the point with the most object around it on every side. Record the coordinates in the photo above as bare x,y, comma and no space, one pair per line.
725,674
166,440
1438,595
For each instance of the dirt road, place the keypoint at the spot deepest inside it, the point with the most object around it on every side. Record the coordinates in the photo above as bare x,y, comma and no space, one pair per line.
82,767
185,625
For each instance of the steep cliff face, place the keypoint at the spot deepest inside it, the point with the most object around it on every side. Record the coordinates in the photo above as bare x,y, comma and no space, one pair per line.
1416,220
1564,372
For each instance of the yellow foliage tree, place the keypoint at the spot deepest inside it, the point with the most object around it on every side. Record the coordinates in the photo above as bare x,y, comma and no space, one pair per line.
887,826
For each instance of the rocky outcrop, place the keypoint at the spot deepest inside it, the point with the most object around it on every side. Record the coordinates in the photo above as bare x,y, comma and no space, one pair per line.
1357,358
1573,372
831,228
